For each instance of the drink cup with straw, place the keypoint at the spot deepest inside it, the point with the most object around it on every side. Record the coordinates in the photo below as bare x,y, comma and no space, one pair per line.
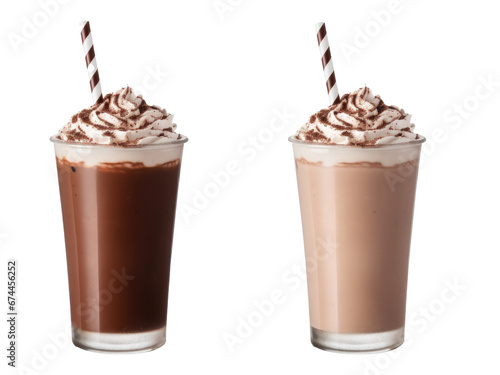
356,225
118,201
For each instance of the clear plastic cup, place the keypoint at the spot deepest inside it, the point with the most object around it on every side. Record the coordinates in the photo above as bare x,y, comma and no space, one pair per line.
118,206
357,210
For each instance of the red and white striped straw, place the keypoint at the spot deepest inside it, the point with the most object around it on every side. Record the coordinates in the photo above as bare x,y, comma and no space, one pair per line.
326,60
88,50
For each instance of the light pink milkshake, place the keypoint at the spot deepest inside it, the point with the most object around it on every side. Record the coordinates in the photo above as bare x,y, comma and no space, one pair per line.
357,164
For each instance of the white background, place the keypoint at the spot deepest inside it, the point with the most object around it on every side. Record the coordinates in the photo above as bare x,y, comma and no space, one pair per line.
224,74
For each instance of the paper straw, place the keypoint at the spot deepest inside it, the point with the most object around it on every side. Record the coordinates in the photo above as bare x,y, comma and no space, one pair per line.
88,50
326,60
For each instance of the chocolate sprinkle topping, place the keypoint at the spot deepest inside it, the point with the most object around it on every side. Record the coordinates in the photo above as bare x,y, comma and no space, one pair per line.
360,117
121,116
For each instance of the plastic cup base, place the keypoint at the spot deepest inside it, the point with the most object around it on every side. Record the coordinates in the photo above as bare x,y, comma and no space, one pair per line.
119,342
357,342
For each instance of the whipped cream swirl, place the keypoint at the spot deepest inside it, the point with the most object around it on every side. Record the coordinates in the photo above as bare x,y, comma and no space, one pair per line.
359,119
121,119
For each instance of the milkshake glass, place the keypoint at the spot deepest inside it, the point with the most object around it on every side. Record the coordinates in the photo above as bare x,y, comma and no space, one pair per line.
118,200
356,202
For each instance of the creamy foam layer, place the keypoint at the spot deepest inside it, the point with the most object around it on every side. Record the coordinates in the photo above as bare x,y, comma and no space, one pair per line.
359,119
121,119
330,155
92,156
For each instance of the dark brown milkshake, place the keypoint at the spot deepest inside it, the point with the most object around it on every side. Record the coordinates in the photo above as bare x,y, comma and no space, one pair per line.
357,166
118,164
119,222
